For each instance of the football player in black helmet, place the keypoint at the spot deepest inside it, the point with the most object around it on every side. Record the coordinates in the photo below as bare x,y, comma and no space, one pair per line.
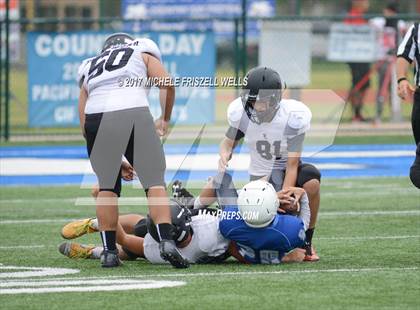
181,219
274,129
261,94
130,233
117,39
137,236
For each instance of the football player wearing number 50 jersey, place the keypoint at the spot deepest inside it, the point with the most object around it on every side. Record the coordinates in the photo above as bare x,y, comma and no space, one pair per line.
274,130
116,121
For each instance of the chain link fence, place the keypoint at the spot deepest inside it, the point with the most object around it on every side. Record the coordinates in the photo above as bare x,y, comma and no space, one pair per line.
234,54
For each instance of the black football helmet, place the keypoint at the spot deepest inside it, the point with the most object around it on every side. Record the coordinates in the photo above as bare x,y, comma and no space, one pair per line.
263,85
116,39
181,220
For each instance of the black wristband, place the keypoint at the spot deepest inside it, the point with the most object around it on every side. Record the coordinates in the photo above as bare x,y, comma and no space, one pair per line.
401,79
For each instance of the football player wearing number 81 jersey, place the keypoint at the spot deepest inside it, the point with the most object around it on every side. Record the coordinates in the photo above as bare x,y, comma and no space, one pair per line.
274,130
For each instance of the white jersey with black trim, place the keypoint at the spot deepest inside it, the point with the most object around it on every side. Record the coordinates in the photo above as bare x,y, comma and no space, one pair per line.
268,142
206,242
105,77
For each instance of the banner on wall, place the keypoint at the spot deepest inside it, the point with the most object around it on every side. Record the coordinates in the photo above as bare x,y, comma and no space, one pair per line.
54,59
186,10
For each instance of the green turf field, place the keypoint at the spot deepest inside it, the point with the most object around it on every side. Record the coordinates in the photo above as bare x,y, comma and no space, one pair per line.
368,237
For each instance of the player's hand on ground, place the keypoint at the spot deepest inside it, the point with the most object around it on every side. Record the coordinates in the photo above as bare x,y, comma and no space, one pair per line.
127,171
161,127
405,90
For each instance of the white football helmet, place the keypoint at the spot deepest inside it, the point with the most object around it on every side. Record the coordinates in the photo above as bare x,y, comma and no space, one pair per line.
258,203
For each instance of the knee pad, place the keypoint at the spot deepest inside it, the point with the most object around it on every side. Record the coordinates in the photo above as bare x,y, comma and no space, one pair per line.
308,172
116,190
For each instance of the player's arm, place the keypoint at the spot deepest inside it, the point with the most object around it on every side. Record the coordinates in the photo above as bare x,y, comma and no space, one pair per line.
405,89
294,149
82,104
290,177
155,69
304,210
295,256
228,144
405,56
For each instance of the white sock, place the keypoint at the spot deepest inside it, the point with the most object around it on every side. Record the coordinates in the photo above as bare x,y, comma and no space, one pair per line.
197,203
95,223
96,252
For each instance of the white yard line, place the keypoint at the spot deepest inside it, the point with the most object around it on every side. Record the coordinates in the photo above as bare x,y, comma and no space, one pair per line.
333,214
108,286
82,201
23,247
36,221
197,162
35,199
368,238
371,192
355,238
248,273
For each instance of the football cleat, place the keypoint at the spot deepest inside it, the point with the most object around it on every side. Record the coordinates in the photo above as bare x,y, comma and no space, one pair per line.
310,255
110,259
78,228
170,253
182,195
76,250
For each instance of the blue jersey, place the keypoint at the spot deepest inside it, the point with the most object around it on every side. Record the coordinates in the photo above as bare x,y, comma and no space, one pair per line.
263,245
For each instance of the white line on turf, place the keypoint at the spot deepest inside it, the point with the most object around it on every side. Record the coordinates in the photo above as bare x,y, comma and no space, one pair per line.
330,214
68,282
249,273
368,237
28,272
82,201
40,200
367,213
371,192
23,247
36,221
28,247
105,285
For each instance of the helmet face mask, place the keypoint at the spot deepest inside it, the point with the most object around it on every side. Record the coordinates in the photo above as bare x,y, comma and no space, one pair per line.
181,220
263,88
261,108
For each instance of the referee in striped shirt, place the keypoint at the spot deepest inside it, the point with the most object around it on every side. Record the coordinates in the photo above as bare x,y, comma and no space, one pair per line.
409,52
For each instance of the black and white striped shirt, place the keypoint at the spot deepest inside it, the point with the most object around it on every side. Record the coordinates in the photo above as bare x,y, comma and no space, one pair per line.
409,50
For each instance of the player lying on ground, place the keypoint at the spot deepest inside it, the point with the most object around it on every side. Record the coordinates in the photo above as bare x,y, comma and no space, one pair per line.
263,233
274,130
198,237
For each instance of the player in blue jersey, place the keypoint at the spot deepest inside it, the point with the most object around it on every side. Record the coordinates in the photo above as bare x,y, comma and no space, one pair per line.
260,232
